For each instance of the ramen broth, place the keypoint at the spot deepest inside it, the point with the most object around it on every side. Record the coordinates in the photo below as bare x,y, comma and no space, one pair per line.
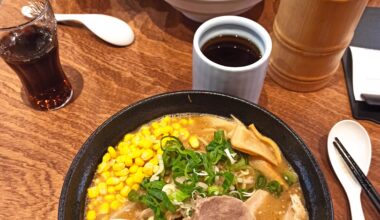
184,127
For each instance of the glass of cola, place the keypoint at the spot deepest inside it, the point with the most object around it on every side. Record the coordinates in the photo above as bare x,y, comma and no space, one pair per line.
29,45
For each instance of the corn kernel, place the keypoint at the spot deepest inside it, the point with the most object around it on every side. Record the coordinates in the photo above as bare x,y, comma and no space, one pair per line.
138,177
163,123
113,181
133,168
123,150
148,169
147,154
167,119
96,181
128,161
176,126
91,206
119,186
167,129
160,151
110,163
111,190
121,173
144,127
175,133
132,147
136,139
91,215
153,138
155,125
106,157
183,121
148,172
130,154
155,168
191,121
102,167
115,205
135,186
106,174
128,137
122,144
102,188
146,143
125,191
156,146
123,178
139,162
148,165
94,202
136,153
129,181
157,132
121,159
154,160
118,166
120,198
193,141
109,197
92,192
184,133
112,152
104,208
145,131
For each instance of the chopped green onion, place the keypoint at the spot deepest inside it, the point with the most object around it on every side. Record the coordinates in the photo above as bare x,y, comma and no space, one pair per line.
178,196
274,187
214,190
228,181
154,198
261,182
241,164
191,167
290,177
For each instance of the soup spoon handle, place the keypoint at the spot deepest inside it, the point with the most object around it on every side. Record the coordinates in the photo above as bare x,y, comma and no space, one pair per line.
355,205
108,28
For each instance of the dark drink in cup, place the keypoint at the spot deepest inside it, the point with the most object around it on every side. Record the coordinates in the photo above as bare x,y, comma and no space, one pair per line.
32,53
31,50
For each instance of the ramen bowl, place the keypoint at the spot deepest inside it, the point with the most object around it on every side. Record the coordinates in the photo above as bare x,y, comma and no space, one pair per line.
202,10
81,172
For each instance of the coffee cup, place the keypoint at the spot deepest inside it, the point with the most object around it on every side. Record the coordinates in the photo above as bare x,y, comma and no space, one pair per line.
224,49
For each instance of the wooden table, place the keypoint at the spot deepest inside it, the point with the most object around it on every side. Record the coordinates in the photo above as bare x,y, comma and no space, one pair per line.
36,148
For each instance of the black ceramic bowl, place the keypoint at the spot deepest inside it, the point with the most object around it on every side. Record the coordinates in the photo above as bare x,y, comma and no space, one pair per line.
82,169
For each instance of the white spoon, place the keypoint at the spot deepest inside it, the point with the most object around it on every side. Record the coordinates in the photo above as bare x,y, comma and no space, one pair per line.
356,140
108,28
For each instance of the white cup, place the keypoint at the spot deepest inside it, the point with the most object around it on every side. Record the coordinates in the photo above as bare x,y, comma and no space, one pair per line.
245,81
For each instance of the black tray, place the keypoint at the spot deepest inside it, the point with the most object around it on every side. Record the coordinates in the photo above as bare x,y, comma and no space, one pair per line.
367,35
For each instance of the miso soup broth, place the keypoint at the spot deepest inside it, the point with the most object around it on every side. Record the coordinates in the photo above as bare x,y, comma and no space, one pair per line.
195,166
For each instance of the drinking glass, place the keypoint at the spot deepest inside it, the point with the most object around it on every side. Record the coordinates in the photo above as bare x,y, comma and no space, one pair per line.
30,47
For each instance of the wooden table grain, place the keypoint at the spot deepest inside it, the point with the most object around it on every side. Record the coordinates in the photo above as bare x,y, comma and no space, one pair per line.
36,148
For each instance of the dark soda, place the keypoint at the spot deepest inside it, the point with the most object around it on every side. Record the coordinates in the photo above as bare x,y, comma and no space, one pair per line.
32,53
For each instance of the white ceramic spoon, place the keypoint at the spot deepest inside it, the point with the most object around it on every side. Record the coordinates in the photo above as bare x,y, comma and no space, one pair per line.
108,28
356,140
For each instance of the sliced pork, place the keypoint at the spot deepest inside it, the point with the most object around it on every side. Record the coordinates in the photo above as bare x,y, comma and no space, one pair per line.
221,208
